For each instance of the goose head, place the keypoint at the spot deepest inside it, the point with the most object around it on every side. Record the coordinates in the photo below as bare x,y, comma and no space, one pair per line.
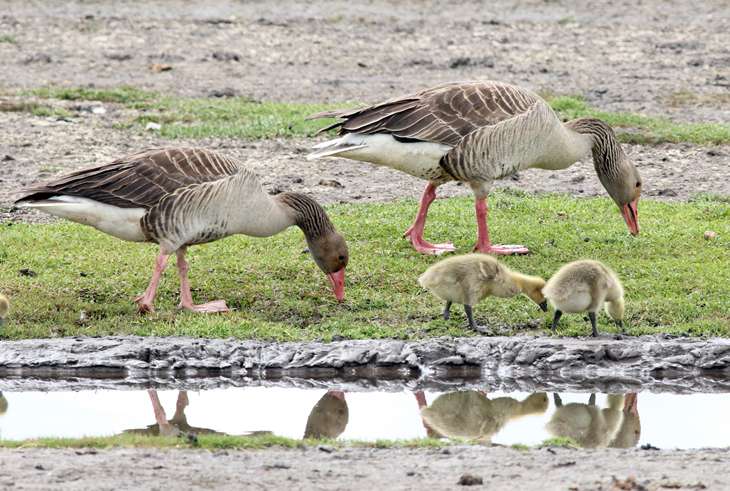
330,254
327,247
615,170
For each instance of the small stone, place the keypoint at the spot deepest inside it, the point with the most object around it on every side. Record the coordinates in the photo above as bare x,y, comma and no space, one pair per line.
39,467
710,235
470,480
224,92
331,183
118,56
98,110
153,126
28,272
226,56
325,448
8,158
160,67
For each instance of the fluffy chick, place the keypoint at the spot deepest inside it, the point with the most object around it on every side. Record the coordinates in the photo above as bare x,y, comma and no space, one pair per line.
468,279
584,286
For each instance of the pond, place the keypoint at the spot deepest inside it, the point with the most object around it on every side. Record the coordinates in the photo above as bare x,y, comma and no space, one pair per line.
663,420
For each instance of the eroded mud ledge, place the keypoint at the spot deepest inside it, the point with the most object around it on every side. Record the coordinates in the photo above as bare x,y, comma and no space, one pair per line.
499,363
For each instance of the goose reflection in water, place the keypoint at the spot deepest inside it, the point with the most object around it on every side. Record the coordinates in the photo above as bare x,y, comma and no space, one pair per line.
616,425
178,424
329,417
470,414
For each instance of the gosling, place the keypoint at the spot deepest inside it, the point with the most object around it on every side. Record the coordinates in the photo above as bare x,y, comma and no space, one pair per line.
584,286
468,279
4,307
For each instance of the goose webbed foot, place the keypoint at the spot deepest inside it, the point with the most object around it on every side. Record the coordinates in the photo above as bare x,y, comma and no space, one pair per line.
144,306
501,250
472,324
424,247
213,307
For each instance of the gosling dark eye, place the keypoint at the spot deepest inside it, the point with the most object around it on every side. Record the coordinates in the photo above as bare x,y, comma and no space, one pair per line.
638,184
341,258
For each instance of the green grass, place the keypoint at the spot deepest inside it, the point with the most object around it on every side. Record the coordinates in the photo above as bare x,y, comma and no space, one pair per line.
36,109
676,281
240,117
560,441
647,129
6,38
214,442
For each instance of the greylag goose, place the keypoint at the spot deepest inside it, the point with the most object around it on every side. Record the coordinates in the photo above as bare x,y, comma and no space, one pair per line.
584,286
477,132
178,197
470,278
4,308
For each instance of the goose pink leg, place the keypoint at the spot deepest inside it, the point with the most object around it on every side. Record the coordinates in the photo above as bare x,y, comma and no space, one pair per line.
415,232
165,428
145,301
186,298
483,244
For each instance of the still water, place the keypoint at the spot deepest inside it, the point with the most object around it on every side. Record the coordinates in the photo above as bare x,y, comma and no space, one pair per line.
662,420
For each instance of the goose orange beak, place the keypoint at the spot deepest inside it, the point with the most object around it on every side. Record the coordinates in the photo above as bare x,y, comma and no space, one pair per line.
630,212
338,284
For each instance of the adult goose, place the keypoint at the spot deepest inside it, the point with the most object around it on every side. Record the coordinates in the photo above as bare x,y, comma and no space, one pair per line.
477,132
178,197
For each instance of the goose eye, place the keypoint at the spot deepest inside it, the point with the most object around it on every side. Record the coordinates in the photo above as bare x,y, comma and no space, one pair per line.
638,184
341,258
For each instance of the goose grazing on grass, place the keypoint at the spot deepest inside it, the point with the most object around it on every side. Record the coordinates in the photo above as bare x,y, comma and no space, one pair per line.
178,197
477,132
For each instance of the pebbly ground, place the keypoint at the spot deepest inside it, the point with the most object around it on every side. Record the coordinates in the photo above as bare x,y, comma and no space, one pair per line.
499,468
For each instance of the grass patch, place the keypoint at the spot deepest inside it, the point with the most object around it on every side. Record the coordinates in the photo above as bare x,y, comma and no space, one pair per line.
35,109
213,442
560,441
8,39
645,129
240,117
676,281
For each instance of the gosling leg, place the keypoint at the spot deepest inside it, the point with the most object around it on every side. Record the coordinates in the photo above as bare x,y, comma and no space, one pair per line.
556,319
470,317
592,317
447,311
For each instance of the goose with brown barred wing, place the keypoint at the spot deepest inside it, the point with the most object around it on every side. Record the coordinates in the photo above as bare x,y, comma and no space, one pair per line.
478,132
178,197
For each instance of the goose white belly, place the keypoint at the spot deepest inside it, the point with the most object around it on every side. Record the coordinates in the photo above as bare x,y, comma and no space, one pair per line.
577,302
123,223
419,159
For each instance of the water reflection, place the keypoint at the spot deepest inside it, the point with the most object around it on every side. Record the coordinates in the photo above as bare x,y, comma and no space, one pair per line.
616,425
471,415
328,418
178,424
592,420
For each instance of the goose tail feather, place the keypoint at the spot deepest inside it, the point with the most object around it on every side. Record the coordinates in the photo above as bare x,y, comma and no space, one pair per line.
334,147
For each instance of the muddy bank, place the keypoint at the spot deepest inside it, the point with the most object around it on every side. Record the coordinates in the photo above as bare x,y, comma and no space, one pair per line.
503,363
499,468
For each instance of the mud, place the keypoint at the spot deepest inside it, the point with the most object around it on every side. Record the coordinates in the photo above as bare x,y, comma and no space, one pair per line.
499,468
502,363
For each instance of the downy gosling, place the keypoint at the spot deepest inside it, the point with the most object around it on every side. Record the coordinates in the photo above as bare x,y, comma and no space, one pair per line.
584,286
4,308
468,279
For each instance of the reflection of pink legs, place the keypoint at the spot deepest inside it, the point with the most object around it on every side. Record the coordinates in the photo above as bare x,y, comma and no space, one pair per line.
631,403
145,301
420,399
483,244
160,416
415,232
337,394
186,298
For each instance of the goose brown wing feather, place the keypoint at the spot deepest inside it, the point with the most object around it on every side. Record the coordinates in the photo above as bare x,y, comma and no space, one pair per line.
141,179
443,114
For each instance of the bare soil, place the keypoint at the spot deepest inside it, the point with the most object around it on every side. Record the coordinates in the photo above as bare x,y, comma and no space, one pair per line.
656,58
499,468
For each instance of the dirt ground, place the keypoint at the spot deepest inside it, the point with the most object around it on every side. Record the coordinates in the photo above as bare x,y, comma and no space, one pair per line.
499,468
620,55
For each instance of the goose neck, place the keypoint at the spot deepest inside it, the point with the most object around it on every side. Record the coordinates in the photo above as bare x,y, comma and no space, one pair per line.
306,214
606,149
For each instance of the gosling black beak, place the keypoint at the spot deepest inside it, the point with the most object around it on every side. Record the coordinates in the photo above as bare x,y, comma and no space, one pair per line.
543,305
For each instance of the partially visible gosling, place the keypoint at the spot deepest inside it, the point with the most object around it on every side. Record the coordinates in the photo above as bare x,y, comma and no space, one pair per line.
468,279
4,307
584,286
